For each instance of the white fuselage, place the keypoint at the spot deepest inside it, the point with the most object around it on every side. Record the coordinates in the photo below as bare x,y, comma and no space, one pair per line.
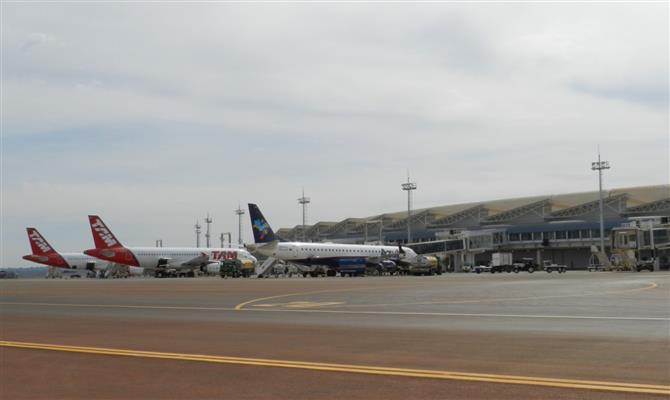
296,251
81,261
186,257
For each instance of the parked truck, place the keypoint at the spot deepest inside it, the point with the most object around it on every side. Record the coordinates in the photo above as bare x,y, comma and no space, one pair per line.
501,262
235,268
424,265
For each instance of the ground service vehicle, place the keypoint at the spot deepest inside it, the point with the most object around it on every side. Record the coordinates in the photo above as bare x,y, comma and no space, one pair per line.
389,267
230,268
478,269
550,267
647,264
525,264
8,275
236,268
423,265
501,262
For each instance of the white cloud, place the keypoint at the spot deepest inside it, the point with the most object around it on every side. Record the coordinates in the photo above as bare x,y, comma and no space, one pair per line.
37,39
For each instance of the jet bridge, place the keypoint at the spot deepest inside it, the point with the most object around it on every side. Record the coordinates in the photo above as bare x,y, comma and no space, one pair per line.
460,247
643,239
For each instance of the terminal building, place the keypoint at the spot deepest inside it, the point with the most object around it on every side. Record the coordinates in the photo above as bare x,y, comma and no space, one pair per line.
563,228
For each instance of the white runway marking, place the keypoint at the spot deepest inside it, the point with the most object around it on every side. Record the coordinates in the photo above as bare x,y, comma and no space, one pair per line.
345,312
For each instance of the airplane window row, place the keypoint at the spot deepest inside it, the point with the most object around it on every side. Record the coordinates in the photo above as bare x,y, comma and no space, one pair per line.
146,253
343,250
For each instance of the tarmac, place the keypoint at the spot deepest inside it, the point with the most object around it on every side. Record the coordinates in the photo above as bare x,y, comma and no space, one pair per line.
577,335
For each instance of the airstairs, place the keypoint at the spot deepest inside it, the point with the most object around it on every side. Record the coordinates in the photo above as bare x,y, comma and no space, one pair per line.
265,268
599,260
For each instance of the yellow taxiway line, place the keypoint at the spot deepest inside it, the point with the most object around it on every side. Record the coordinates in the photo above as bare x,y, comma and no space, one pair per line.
358,369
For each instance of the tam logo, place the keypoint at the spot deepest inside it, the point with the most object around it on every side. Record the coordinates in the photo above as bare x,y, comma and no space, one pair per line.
224,255
104,233
40,242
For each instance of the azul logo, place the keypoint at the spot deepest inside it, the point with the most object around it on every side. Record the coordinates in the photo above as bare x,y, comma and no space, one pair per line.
104,233
224,255
40,242
262,227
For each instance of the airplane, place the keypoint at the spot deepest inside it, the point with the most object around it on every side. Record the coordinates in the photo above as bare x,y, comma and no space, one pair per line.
351,259
162,261
75,265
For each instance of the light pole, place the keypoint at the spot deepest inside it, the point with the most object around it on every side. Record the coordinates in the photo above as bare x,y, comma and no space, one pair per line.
222,237
197,234
304,201
600,166
208,221
409,186
240,213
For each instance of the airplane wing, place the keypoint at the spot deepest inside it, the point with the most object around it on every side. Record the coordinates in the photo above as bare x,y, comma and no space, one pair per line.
399,257
164,262
202,259
386,255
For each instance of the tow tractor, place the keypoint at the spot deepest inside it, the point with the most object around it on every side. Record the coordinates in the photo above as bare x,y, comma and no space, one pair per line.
647,263
478,269
525,264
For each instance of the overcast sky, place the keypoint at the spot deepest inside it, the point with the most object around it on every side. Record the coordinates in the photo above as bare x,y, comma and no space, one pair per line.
152,115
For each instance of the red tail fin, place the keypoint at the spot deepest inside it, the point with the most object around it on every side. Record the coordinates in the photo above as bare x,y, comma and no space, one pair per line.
38,244
102,236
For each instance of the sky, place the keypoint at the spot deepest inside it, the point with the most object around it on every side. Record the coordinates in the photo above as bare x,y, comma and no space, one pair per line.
153,114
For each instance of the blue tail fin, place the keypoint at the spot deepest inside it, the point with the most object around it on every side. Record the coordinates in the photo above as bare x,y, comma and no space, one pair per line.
262,231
